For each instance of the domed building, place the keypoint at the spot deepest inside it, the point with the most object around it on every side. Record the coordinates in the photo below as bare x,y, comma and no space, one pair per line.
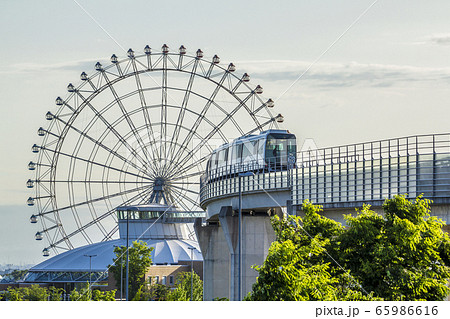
169,231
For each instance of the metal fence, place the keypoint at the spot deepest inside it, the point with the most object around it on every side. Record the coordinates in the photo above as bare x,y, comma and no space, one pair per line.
375,171
228,185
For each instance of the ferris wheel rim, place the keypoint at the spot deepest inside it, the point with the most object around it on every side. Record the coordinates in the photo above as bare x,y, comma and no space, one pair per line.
68,126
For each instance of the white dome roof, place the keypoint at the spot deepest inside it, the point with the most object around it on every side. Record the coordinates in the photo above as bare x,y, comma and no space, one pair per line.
166,251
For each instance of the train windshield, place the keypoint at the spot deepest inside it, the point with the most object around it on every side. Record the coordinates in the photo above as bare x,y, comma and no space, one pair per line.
279,147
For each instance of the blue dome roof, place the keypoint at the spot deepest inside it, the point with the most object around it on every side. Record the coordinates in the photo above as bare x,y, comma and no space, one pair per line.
166,251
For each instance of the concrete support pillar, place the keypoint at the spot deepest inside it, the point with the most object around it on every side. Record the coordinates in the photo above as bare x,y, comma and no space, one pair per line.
219,245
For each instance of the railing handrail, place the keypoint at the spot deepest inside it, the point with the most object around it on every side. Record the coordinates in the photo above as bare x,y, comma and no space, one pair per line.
376,150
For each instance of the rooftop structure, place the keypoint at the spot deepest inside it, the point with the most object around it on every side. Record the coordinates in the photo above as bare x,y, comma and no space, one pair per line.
163,227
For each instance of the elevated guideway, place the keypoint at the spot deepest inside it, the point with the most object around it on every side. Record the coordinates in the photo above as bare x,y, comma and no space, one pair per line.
338,178
344,177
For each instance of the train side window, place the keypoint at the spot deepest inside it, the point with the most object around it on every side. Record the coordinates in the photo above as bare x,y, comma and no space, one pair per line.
213,161
254,150
221,158
226,156
247,151
261,144
240,147
237,153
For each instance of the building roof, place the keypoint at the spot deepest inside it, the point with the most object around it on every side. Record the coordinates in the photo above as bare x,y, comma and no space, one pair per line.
166,251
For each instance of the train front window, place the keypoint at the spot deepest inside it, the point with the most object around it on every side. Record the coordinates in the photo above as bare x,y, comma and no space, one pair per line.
279,147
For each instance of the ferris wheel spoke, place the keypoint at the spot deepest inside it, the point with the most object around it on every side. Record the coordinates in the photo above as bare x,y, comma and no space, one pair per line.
111,233
184,189
145,188
179,174
184,104
184,183
175,164
86,181
115,132
127,117
185,197
93,222
163,123
270,121
187,176
204,110
215,130
100,144
98,164
144,108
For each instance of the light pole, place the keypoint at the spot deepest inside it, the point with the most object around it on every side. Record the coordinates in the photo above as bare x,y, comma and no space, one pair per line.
127,270
240,232
90,270
192,272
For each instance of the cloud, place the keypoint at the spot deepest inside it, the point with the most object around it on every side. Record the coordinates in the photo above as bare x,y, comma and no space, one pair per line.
440,39
321,74
345,74
79,65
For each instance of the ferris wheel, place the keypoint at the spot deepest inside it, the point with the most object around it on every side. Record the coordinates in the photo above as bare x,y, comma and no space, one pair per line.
137,130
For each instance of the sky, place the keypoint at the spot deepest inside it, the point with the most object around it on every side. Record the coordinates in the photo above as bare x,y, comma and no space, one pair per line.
340,72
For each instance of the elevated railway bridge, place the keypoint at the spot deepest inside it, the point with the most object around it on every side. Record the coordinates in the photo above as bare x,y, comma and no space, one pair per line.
338,178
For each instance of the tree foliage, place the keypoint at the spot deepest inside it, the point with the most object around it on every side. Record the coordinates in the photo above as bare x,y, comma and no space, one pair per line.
32,293
182,291
39,293
403,255
88,294
151,291
139,259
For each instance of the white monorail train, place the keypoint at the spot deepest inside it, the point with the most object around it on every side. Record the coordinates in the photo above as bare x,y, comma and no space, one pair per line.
271,150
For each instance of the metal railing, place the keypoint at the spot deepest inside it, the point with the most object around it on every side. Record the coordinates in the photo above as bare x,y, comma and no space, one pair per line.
374,171
268,176
389,148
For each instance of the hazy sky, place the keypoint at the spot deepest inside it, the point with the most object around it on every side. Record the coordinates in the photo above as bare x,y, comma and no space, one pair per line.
354,71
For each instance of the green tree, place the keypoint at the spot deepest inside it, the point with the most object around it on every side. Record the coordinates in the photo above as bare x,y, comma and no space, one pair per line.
182,291
13,294
149,291
403,255
55,294
33,293
88,294
139,261
158,292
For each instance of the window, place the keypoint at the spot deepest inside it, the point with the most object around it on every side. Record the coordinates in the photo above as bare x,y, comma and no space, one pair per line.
278,147
248,151
220,155
237,153
171,280
213,161
261,145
